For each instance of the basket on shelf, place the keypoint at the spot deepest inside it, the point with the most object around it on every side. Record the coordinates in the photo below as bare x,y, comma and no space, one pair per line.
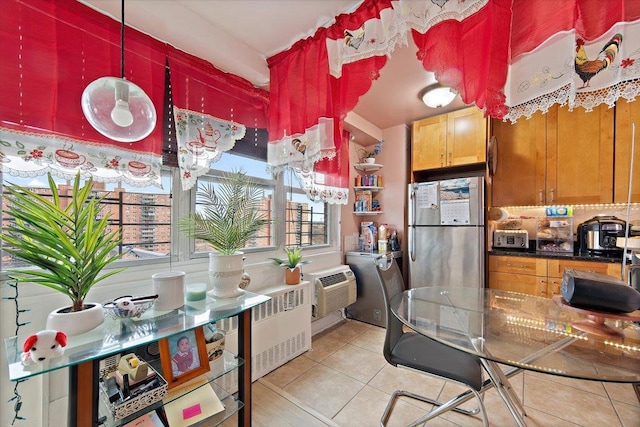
122,409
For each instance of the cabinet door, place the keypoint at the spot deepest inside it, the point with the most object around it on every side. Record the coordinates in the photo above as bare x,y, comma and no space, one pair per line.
428,149
521,155
518,265
521,283
557,267
466,137
627,113
579,156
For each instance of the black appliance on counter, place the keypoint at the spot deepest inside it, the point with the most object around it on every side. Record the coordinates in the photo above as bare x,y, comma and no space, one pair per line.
597,236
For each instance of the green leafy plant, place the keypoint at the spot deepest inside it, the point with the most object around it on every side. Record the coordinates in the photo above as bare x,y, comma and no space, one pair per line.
293,260
67,239
229,215
366,154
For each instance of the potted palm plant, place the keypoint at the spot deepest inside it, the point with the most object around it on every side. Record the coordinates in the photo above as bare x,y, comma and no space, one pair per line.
70,243
228,215
292,263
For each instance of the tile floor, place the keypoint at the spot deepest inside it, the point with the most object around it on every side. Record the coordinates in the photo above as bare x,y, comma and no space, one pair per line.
345,381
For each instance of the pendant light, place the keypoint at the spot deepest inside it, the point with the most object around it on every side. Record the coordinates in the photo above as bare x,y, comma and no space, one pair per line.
117,108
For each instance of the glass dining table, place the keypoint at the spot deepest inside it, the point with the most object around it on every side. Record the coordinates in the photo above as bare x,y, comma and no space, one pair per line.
525,332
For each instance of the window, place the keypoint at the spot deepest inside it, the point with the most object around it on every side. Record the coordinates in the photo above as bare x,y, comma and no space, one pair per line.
306,220
298,221
144,214
257,170
149,221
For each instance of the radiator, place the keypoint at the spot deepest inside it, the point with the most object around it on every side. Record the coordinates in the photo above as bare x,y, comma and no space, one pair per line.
281,328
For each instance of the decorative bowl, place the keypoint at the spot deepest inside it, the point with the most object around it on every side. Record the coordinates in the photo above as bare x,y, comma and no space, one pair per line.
127,306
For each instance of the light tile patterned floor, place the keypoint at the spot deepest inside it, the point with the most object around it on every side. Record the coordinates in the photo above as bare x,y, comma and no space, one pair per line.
346,379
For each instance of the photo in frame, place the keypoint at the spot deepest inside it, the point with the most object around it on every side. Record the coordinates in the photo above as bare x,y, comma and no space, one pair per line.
214,338
184,357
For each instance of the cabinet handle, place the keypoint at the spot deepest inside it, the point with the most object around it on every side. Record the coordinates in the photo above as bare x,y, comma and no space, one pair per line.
441,159
551,193
540,197
450,162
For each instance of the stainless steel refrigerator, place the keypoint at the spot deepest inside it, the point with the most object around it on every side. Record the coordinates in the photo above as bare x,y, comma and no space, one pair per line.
446,233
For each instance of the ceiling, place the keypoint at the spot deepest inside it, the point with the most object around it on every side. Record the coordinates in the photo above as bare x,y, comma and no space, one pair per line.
237,36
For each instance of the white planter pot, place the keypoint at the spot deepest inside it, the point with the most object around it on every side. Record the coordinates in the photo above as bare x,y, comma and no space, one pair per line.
370,160
225,274
76,322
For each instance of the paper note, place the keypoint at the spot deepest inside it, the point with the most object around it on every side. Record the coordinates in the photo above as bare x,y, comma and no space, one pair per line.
191,411
427,196
150,419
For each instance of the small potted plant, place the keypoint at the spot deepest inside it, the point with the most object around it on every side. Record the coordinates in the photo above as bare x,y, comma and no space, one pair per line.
70,243
228,217
367,156
292,264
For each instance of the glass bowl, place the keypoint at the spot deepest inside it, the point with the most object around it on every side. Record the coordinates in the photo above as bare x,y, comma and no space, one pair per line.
128,306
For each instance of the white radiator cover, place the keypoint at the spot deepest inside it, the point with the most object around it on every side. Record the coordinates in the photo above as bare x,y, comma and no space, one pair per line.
281,328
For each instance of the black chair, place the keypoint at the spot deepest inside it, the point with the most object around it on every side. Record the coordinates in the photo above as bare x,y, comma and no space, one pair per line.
419,353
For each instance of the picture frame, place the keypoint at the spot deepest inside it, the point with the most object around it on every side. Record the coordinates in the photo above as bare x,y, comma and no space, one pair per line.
183,357
215,340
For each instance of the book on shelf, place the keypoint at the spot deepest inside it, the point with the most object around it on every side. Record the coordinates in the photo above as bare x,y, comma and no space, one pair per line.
363,201
198,402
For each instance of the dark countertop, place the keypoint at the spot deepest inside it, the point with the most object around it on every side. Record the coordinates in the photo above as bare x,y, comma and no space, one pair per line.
531,252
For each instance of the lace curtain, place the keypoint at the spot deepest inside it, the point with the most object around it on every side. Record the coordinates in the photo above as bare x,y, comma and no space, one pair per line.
212,110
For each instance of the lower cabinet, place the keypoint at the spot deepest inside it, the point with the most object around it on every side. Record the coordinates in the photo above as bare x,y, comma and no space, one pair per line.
538,276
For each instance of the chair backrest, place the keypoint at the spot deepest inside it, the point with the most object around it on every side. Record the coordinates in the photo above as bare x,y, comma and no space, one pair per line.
392,284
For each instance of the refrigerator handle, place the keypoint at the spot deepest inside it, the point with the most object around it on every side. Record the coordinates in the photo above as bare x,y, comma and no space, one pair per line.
412,226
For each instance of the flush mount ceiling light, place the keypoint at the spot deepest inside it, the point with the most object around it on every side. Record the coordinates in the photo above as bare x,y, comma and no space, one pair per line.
437,95
117,108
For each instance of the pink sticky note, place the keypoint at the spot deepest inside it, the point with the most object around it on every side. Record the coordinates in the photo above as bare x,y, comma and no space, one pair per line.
191,411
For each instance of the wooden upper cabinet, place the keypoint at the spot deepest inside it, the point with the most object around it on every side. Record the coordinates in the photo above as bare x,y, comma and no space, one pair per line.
466,137
520,156
579,155
429,143
627,113
453,139
560,157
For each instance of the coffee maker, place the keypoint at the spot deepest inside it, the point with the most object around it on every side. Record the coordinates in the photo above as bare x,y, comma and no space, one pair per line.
597,236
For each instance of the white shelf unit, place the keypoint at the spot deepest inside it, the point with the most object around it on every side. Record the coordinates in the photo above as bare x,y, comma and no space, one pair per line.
367,167
368,213
367,187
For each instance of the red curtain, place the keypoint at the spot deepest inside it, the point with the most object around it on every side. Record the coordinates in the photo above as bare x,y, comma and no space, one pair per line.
198,86
299,90
590,18
51,50
357,77
471,55
302,91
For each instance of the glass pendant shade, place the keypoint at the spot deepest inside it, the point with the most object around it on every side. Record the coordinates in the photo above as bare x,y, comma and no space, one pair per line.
436,96
118,109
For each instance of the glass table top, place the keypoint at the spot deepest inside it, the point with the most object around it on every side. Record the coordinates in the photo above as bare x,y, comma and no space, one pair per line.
524,331
117,336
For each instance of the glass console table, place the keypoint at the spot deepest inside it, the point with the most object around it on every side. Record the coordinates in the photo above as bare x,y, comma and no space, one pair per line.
84,352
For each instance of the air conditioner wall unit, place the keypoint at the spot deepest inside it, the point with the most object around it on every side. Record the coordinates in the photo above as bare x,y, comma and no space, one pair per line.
335,289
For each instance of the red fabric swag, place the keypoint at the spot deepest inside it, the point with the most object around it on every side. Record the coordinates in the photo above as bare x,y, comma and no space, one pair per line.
52,50
472,55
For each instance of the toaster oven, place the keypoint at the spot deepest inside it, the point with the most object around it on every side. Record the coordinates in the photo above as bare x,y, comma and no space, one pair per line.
514,239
